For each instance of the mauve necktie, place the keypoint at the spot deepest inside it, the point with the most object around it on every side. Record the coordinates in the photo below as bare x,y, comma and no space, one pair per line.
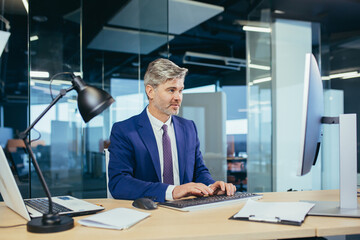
168,176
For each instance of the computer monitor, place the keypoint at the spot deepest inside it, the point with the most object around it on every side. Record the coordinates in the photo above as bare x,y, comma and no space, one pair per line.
311,133
312,113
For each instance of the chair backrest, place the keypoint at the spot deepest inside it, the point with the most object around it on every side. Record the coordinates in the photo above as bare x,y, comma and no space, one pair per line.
107,158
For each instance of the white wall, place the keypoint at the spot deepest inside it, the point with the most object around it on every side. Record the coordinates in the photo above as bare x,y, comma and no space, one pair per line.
291,40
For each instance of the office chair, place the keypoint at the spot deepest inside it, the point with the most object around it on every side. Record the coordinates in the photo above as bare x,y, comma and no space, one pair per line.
107,158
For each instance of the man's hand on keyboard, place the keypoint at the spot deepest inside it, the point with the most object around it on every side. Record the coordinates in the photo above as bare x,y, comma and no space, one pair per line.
221,187
191,189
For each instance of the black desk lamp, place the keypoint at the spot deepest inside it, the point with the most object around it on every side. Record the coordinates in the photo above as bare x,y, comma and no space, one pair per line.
91,102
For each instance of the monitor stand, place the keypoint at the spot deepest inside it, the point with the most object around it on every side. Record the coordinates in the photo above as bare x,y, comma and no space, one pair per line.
348,205
333,209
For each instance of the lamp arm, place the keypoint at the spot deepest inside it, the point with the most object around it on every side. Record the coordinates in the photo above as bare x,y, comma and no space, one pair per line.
7,23
23,135
62,93
39,173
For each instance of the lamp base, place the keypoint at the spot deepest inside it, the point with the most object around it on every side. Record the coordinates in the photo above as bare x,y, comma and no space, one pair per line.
50,223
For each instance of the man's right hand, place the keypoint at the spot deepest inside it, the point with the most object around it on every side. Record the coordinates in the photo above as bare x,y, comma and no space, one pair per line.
191,189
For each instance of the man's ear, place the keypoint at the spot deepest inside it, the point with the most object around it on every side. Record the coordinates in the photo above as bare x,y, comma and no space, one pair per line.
149,91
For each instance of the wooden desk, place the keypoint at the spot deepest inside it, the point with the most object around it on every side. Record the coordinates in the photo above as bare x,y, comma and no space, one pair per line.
203,224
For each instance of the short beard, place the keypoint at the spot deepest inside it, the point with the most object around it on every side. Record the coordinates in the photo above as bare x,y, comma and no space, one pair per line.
171,112
167,111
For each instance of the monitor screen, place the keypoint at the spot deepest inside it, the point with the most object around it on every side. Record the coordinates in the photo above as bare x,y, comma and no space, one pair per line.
312,113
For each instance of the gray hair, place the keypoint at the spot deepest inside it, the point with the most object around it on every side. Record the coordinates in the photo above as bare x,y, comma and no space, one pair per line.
162,70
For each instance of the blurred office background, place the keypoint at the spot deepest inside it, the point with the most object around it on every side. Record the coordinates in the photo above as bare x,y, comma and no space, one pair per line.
244,88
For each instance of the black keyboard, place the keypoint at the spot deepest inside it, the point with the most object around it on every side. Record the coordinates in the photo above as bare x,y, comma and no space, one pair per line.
191,204
42,205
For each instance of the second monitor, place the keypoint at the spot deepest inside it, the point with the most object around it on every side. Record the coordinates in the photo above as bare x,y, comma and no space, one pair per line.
312,119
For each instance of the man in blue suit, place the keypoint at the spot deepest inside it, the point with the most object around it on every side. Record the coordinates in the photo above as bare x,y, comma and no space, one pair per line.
148,159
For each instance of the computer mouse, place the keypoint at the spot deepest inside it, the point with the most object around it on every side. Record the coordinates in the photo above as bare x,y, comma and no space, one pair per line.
145,203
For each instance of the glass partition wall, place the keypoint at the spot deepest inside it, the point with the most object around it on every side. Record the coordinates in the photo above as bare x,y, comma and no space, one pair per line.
112,51
259,82
60,139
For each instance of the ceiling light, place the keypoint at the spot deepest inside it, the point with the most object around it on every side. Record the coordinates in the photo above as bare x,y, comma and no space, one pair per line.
325,78
39,74
279,12
55,82
342,75
260,80
34,38
261,67
135,64
256,29
39,18
210,60
351,76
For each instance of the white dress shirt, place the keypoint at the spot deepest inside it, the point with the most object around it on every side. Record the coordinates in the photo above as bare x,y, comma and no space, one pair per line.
158,132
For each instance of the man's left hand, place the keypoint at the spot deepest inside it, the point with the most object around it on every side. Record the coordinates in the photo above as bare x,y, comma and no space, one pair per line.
220,187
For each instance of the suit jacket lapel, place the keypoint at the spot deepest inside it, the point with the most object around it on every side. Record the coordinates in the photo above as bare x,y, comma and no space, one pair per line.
181,146
147,135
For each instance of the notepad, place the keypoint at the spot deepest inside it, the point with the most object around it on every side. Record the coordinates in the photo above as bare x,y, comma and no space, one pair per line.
292,213
118,218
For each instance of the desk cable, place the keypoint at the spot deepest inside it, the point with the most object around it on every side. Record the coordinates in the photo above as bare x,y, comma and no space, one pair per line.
11,226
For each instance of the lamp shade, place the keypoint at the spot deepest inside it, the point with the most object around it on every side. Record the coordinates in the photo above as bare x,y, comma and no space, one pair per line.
91,100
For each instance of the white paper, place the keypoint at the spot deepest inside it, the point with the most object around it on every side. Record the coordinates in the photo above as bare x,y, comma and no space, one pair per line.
118,218
275,211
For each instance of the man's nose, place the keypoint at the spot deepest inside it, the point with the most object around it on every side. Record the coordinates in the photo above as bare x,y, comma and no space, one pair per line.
178,95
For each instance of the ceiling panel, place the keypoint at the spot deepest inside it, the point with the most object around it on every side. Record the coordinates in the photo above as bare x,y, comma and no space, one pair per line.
128,41
152,15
